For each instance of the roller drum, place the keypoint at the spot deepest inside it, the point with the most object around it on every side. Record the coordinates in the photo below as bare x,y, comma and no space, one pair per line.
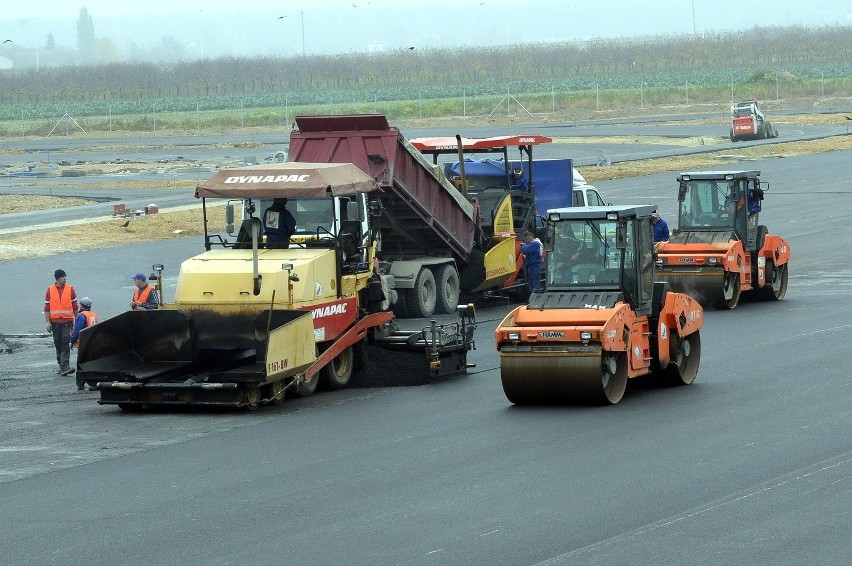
712,289
555,378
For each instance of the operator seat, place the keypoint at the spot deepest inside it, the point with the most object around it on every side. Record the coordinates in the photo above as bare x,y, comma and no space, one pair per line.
244,235
350,240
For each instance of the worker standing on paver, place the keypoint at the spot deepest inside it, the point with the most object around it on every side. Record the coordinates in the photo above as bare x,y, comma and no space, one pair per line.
60,308
145,297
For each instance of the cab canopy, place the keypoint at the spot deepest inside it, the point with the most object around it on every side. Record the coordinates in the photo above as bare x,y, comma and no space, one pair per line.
287,180
495,144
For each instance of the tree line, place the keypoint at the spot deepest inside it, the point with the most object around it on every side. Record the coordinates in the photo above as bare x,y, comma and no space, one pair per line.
760,49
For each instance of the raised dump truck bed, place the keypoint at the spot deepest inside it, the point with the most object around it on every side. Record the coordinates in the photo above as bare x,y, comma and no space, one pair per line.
431,241
423,213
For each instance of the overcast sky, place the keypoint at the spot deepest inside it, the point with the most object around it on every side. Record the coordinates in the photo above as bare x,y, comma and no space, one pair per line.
286,27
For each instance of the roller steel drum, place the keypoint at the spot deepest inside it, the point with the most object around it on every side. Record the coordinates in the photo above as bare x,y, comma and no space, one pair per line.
711,288
561,377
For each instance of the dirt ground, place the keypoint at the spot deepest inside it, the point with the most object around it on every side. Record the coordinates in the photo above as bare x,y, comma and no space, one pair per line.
182,223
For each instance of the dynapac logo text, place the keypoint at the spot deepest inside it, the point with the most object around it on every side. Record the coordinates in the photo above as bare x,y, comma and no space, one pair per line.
329,310
268,179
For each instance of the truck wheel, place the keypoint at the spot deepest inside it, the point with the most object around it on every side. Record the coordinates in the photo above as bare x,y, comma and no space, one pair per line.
337,373
447,289
733,137
421,300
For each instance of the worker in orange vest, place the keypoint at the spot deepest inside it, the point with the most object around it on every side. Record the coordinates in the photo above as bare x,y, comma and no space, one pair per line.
145,297
85,318
60,308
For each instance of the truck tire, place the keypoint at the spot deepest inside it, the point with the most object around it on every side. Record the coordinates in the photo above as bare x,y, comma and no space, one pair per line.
420,301
447,288
733,137
336,374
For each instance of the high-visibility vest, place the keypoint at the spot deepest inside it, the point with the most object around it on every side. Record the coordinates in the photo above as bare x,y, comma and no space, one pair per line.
91,320
61,306
142,297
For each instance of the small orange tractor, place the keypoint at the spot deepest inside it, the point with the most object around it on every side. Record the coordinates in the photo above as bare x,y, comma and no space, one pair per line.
600,318
719,249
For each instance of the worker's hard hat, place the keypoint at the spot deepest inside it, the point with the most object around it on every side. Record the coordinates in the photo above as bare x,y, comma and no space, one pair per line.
86,302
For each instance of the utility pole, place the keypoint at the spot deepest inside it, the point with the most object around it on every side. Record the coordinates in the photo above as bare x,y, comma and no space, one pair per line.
694,32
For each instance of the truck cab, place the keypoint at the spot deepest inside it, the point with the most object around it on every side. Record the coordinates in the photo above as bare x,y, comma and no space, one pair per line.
586,195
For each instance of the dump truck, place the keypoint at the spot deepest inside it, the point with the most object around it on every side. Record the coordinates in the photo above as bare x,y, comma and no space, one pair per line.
434,241
249,325
719,249
749,123
601,318
493,183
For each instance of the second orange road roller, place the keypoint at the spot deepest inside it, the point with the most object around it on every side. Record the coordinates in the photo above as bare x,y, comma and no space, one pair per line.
719,249
601,318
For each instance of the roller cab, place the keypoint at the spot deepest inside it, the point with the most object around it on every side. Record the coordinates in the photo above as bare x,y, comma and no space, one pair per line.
601,318
719,249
